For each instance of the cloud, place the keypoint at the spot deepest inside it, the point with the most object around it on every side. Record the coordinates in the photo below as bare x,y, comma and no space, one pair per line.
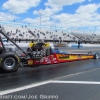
62,2
7,17
84,16
47,12
90,8
54,6
20,6
45,21
78,20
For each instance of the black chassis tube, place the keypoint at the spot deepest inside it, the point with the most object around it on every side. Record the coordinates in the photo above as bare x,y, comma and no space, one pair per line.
4,50
4,34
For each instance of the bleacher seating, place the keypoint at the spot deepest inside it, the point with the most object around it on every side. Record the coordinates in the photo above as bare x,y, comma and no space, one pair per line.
20,32
27,32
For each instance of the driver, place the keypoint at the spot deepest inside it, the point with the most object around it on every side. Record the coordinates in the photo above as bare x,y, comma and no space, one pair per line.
38,46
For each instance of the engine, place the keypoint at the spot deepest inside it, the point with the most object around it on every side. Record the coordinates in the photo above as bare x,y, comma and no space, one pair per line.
39,50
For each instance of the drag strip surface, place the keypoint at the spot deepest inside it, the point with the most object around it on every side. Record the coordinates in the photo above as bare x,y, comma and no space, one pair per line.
26,76
55,75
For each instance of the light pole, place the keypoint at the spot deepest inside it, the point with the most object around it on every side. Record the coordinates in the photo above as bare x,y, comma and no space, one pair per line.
50,28
94,30
29,25
40,14
40,22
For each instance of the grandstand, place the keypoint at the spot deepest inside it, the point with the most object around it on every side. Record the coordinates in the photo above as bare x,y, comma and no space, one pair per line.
26,32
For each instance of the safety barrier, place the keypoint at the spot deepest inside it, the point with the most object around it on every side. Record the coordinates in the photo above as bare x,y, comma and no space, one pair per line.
75,45
84,45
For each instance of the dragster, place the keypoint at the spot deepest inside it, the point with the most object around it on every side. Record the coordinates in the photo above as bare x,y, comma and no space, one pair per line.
39,53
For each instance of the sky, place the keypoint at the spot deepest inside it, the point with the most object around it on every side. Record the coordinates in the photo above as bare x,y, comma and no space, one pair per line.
76,15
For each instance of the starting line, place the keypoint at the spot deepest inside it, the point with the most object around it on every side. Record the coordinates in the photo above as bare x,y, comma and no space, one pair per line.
44,83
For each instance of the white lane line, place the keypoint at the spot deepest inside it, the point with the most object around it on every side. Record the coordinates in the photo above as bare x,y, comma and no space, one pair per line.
23,88
76,82
44,83
68,76
85,50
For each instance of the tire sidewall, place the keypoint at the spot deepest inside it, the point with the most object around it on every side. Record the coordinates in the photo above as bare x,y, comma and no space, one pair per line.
97,56
9,69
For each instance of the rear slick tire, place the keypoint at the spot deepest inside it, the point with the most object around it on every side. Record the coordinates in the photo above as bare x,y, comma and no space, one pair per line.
9,62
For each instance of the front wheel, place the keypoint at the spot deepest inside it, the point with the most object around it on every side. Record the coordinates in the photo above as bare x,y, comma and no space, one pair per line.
9,62
97,55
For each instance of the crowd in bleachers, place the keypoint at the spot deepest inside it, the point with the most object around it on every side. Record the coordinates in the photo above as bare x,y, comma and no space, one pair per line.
25,32
87,37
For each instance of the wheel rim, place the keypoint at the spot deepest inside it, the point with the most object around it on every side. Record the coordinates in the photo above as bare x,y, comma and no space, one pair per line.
97,55
9,62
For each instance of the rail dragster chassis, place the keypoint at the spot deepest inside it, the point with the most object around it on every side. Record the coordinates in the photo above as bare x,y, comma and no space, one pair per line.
56,57
37,54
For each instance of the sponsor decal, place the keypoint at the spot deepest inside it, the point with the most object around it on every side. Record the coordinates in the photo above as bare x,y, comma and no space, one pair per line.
68,57
12,45
53,59
4,40
8,44
47,60
30,62
79,56
72,56
63,57
42,60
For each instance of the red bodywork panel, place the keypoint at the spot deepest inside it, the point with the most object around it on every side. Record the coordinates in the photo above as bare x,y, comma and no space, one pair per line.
60,58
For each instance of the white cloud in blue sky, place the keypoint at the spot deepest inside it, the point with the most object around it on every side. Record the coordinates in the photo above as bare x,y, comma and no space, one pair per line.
7,17
90,8
89,0
20,6
75,14
62,2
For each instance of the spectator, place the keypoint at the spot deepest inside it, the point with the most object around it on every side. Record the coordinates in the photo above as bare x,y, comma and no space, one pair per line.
79,43
19,40
15,40
60,40
26,40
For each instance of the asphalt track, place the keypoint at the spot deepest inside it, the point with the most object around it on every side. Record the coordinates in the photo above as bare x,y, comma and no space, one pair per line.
79,80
